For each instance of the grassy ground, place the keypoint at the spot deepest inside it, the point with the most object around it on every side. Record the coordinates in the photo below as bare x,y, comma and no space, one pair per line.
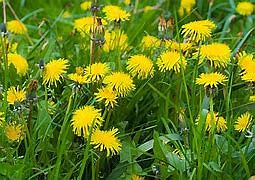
161,123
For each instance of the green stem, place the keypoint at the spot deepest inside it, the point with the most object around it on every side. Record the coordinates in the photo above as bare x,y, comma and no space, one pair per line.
62,139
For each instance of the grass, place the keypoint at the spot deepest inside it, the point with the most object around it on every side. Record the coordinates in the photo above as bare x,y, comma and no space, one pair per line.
161,123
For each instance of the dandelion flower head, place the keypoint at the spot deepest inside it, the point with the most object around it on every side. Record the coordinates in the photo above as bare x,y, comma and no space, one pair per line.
16,27
96,72
115,13
19,62
245,8
243,122
211,79
150,42
14,132
15,95
85,5
115,40
186,6
107,95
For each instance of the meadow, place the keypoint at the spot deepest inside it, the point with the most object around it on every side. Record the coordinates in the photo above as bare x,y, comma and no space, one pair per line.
127,89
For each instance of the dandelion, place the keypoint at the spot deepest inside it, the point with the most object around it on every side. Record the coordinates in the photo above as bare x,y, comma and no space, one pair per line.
147,8
84,25
243,122
120,82
213,120
108,95
96,72
171,60
136,177
248,77
85,5
217,53
85,118
198,30
15,95
54,71
150,42
186,6
115,40
106,140
16,27
115,13
127,2
244,8
77,78
14,132
252,98
19,62
176,46
246,62
211,79
66,14
140,66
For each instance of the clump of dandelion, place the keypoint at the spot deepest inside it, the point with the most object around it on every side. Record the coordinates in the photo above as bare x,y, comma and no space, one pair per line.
211,79
54,70
150,42
16,27
245,8
107,140
198,30
217,53
140,66
243,122
214,121
115,40
186,6
14,131
119,82
15,95
85,118
96,72
171,60
85,5
115,13
19,62
107,95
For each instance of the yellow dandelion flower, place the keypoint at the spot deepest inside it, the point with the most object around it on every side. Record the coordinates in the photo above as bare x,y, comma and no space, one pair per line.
211,79
245,8
243,122
246,62
15,95
186,6
215,121
120,82
85,5
77,78
140,66
106,140
115,13
107,95
248,77
85,24
66,14
147,8
150,42
84,118
127,2
198,30
16,27
19,62
14,132
176,46
217,53
136,177
96,72
79,70
54,71
171,60
1,118
252,98
115,40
